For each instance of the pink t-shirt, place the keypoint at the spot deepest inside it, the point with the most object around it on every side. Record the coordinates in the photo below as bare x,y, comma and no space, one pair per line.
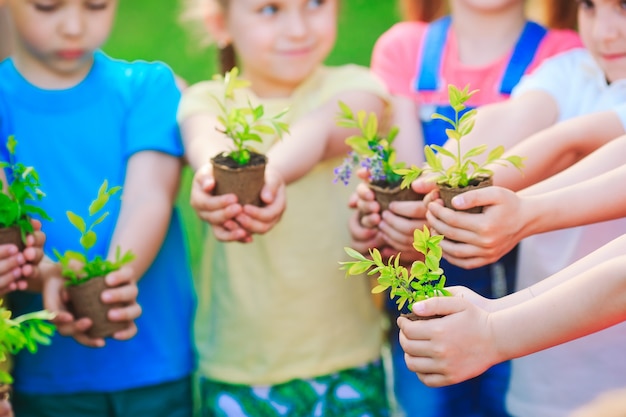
397,51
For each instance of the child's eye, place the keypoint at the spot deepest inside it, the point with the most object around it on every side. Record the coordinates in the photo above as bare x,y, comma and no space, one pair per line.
585,4
314,4
46,7
97,5
269,10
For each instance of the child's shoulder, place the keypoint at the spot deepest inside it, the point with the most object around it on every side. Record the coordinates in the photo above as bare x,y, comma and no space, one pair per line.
559,40
402,33
137,73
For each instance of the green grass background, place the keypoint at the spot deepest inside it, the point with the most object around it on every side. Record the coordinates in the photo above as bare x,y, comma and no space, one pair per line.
150,30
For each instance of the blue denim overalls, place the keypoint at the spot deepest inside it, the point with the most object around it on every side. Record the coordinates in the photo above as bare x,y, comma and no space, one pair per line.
485,394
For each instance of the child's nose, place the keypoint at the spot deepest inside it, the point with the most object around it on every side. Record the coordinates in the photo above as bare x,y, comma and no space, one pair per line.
296,24
73,22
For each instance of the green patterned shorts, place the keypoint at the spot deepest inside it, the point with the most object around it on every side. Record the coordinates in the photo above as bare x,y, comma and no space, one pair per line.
356,392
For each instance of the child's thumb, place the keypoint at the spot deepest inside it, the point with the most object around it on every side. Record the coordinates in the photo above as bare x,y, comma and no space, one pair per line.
439,306
473,198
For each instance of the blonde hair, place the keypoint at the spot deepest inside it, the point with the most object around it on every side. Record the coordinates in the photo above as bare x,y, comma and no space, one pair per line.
193,15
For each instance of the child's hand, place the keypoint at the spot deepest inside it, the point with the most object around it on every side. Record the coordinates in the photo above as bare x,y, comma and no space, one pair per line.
260,220
5,408
19,270
219,211
477,239
363,238
124,291
403,217
369,209
451,349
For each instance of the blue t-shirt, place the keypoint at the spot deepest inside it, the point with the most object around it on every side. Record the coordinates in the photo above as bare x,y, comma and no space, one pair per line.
75,138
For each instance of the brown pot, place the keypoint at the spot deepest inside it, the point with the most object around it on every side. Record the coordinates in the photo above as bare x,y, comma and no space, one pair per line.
12,235
447,193
246,182
385,195
86,302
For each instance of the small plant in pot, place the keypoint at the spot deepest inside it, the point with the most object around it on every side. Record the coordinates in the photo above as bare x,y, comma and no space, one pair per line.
464,174
17,198
242,170
27,331
85,275
425,279
375,153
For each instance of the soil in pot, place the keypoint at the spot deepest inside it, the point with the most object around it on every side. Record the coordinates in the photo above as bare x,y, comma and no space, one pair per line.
414,317
246,182
386,194
447,193
12,235
86,302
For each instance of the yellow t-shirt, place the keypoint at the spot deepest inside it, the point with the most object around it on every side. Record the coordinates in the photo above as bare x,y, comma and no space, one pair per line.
279,308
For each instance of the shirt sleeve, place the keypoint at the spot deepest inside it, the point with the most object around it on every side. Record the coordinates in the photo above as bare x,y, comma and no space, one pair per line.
549,77
555,42
394,58
151,124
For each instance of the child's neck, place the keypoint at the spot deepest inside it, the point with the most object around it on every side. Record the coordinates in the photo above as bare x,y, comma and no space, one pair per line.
483,38
48,79
270,88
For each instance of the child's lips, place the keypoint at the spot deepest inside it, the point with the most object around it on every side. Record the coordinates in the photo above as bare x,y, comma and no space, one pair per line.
70,53
614,56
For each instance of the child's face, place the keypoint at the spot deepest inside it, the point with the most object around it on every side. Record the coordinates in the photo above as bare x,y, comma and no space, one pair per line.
55,39
602,27
280,42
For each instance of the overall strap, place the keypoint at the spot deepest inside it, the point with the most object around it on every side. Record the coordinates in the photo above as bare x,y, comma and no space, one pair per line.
432,51
522,56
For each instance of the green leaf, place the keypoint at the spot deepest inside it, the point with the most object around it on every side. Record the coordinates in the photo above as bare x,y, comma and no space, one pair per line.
444,118
77,221
88,240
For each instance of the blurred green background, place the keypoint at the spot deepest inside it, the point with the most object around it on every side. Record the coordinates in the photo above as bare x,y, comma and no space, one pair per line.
149,29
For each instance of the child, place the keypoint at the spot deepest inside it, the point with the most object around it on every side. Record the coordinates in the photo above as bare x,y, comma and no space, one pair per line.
279,330
554,382
80,117
490,47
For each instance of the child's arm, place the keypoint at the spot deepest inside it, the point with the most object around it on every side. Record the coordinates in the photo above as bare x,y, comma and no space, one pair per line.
316,136
468,340
558,147
478,239
149,193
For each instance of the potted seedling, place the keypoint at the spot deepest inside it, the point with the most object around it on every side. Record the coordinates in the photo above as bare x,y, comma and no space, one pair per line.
17,198
425,279
465,173
85,275
376,153
242,170
27,331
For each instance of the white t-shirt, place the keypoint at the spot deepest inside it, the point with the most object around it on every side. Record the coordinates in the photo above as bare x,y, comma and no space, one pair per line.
554,382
